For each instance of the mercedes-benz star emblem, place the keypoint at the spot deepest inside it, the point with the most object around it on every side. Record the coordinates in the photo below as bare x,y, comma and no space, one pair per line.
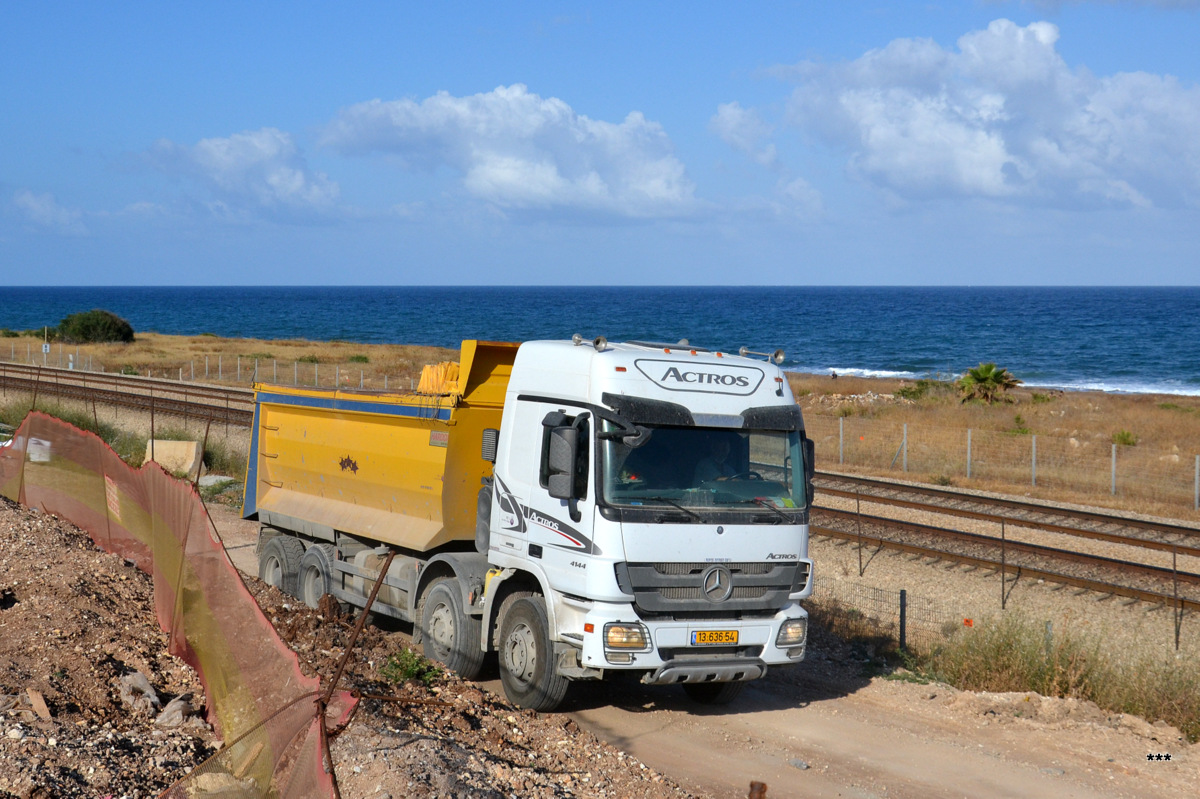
717,584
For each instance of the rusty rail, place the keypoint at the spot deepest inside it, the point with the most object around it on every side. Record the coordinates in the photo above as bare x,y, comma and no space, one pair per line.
203,401
1107,527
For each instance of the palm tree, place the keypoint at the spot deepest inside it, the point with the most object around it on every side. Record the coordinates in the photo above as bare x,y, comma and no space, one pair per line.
985,382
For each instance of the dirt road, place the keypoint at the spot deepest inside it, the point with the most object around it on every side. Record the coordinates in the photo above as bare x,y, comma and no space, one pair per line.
818,730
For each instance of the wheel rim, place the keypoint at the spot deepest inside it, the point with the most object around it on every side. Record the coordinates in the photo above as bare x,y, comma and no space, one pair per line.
274,572
311,585
441,628
520,653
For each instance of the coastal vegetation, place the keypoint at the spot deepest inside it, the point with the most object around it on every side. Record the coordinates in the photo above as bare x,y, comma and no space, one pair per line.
93,327
1014,653
986,382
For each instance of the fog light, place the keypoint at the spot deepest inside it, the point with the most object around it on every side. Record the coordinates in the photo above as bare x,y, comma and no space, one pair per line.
619,657
796,653
791,633
618,635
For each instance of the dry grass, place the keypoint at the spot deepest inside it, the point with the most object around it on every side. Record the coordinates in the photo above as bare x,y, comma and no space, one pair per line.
1075,430
1012,653
157,355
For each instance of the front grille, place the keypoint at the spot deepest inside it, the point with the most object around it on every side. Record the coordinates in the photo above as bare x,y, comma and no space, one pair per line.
676,589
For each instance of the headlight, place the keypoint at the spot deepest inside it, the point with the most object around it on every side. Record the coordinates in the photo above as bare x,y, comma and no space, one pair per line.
627,637
791,633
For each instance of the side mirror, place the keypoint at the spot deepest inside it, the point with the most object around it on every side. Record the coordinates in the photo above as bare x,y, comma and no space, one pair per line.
564,450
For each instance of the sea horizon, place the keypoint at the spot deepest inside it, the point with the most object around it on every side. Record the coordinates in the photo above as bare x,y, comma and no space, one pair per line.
1101,338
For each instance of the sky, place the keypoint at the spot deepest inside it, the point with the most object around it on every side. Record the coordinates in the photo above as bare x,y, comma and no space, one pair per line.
990,142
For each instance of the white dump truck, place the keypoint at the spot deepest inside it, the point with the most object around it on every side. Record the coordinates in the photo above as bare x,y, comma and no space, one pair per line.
581,508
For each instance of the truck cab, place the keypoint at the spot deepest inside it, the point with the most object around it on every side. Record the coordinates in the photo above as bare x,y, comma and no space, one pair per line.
658,497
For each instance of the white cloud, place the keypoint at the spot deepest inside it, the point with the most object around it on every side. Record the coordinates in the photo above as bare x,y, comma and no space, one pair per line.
744,130
44,212
1004,117
517,150
259,171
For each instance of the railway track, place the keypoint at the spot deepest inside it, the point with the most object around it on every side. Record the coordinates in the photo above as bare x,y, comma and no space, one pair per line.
1085,524
233,406
1135,575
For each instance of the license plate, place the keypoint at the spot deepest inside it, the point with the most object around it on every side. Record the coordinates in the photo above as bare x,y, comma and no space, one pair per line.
710,637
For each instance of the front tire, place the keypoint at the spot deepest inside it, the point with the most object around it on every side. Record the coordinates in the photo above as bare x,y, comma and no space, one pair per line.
527,657
279,563
449,635
713,693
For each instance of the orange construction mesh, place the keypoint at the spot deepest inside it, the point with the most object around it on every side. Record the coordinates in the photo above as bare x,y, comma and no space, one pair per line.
257,695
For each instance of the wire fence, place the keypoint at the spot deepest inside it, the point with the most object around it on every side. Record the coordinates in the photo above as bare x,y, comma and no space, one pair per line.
219,368
1020,459
911,621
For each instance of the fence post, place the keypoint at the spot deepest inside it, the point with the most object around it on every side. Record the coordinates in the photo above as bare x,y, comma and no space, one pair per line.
1003,574
295,373
360,378
337,376
239,373
220,369
903,620
1196,490
274,371
316,371
205,367
1113,490
905,467
1034,469
385,382
842,439
968,453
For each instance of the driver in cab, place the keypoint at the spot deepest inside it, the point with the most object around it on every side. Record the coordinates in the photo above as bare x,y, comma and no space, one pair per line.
716,465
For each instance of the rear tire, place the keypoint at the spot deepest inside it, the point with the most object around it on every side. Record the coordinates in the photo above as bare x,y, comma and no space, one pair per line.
279,563
449,635
713,693
527,657
316,573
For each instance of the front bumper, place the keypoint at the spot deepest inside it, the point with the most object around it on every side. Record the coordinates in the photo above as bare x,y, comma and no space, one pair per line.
670,656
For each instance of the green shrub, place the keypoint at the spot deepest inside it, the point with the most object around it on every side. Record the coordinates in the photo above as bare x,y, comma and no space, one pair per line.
920,389
1041,398
1124,438
358,359
308,359
94,326
1019,428
129,370
259,356
6,333
408,665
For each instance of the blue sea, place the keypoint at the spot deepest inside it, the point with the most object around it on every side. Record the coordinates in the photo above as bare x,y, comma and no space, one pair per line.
1141,340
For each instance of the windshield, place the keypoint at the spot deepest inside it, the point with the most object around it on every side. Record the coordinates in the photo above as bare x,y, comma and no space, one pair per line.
697,468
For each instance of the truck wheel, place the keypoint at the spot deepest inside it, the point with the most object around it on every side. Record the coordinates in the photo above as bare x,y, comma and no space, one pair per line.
713,693
527,657
449,634
279,563
316,573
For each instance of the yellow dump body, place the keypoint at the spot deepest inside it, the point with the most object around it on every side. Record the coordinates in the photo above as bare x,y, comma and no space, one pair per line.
401,469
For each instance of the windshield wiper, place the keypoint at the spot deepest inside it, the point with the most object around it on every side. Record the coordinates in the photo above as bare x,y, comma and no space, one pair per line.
674,504
767,505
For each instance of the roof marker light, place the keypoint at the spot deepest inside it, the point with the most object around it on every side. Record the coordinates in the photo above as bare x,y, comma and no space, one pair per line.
621,369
